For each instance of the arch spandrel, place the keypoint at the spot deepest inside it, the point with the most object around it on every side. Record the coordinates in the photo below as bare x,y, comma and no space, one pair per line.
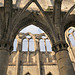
69,24
66,4
69,16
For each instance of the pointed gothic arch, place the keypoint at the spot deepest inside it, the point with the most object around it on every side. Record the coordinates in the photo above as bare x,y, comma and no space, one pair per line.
68,14
20,26
27,73
29,33
49,73
28,18
70,36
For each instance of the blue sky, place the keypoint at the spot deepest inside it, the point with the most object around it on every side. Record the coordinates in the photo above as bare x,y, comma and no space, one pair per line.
71,37
33,29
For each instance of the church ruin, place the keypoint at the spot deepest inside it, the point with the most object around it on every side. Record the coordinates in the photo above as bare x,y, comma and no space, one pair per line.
56,18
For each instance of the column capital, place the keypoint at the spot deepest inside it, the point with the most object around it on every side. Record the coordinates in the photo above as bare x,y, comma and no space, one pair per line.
4,45
59,46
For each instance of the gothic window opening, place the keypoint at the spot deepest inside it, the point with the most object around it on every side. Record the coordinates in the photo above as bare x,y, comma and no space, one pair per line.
31,45
42,46
70,35
48,45
49,73
24,45
28,73
28,42
72,40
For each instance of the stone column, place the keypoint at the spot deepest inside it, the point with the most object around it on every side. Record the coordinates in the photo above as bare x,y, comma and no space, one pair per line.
64,63
4,56
37,49
8,13
18,54
28,57
28,44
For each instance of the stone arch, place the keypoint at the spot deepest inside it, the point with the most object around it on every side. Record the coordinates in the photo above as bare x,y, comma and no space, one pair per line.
70,40
24,45
24,23
70,21
49,73
25,38
69,25
27,73
68,13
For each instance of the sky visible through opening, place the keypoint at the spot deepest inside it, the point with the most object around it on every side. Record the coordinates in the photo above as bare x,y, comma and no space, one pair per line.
36,30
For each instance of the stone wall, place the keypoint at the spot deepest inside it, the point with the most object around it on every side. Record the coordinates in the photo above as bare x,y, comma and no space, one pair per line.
47,61
34,62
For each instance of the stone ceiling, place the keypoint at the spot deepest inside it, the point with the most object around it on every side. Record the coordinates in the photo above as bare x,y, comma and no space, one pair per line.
66,4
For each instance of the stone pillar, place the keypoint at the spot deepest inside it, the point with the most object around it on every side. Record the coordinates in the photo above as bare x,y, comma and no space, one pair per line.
4,56
28,44
8,12
28,54
64,63
18,54
36,44
37,49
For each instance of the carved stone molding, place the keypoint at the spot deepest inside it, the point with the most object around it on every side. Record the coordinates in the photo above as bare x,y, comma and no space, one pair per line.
5,46
59,46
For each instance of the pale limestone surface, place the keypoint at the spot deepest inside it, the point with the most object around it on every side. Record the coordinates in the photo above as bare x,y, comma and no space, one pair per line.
66,4
53,21
29,60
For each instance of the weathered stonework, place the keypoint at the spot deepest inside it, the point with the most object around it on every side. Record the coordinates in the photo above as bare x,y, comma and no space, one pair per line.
54,17
35,62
